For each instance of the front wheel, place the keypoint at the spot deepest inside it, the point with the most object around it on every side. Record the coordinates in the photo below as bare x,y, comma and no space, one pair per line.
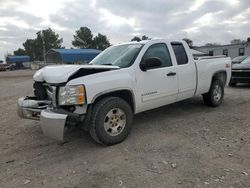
215,95
111,121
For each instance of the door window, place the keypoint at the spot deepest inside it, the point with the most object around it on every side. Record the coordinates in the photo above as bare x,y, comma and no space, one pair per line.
241,51
159,51
225,52
211,53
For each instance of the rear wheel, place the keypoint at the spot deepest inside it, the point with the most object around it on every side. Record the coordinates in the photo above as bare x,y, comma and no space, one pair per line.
111,121
215,95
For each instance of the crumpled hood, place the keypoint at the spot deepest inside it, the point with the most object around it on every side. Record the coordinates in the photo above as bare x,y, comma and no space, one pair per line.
61,73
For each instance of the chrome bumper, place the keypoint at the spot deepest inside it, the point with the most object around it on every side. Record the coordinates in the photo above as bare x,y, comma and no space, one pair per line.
29,108
52,123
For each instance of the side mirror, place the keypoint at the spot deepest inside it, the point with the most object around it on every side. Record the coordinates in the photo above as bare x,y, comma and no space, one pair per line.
150,63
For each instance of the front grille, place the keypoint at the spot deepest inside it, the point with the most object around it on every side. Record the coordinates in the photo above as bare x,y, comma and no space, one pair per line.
44,91
51,90
40,91
240,74
49,87
51,93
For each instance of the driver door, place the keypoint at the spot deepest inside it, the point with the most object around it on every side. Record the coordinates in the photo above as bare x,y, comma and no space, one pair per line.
158,86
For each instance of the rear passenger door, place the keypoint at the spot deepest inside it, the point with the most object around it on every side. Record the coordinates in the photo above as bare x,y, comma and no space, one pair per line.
186,71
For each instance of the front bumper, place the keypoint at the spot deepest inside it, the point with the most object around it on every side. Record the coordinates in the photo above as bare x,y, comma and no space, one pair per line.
30,108
241,79
240,76
52,123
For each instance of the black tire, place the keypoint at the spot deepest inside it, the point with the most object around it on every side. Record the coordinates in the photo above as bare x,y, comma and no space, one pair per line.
98,118
232,84
209,98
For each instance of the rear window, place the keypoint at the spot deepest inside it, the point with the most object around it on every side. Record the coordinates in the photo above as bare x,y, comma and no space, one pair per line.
180,53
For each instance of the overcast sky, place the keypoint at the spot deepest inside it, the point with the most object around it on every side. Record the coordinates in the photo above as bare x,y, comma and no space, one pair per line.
201,20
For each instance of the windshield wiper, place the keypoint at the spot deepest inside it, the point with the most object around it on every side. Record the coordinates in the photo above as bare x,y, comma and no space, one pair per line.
107,64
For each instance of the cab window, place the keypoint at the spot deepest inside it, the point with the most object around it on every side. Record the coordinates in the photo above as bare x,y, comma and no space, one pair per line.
180,53
159,51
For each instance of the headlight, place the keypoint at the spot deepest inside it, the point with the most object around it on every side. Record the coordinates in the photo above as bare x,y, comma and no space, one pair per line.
71,95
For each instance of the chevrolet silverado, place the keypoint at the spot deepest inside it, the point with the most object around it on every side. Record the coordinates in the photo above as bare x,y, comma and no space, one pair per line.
122,81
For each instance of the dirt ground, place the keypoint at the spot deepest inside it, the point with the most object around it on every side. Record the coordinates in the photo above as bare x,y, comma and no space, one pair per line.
181,145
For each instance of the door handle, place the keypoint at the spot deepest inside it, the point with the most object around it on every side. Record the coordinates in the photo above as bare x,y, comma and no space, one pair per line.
171,74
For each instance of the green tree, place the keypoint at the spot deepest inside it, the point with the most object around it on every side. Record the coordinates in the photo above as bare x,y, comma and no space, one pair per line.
20,51
44,41
83,38
101,42
138,39
144,37
31,48
189,42
49,38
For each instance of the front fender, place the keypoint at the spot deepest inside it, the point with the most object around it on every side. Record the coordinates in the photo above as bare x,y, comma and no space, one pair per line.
106,82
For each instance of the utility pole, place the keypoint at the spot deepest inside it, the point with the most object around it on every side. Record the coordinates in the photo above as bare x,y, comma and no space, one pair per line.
42,36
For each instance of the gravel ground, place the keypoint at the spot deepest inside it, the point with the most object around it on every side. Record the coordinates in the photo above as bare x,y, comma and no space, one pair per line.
181,145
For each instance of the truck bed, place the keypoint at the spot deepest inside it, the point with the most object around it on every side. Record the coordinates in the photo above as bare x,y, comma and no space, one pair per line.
206,67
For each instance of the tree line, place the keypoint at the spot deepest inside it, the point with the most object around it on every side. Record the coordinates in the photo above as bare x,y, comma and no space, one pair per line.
83,38
48,39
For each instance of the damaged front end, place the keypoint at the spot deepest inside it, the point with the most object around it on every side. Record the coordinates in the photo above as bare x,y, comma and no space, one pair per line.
52,123
56,105
31,108
53,119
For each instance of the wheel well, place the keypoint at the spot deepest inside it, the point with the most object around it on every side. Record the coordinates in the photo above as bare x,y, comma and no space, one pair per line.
222,75
124,94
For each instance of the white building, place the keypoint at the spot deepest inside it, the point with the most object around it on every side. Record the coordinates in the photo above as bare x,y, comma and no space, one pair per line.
231,50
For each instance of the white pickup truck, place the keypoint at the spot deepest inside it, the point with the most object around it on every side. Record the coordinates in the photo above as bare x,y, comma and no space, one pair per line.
122,81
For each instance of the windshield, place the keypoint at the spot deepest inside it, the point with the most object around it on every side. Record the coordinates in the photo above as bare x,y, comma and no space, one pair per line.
122,55
246,61
239,59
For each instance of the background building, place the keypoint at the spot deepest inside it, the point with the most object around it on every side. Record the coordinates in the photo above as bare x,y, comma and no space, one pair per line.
18,61
70,56
230,50
197,53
